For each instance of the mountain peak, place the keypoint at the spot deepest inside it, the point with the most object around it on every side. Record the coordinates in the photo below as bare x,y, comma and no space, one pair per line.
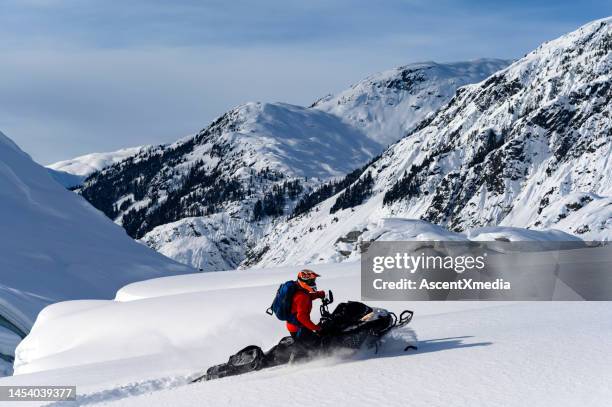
291,139
389,104
527,147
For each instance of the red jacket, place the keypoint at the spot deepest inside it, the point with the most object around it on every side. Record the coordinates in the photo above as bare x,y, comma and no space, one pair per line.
301,306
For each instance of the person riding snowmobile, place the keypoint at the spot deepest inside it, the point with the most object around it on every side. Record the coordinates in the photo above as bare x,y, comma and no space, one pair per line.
352,325
305,332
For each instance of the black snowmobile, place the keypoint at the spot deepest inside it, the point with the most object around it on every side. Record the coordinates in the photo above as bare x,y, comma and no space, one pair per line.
352,325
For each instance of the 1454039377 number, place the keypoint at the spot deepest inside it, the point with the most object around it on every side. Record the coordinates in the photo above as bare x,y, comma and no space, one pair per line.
37,393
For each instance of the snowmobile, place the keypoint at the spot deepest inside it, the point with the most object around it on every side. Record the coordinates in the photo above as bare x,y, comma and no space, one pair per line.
352,325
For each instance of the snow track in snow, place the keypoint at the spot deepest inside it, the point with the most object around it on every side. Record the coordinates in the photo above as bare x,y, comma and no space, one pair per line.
142,350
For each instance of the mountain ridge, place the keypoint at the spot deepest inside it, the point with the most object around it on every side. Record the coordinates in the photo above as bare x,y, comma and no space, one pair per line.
207,199
528,147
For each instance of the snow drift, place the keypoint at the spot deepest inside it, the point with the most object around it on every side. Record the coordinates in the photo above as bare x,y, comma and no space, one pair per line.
142,348
54,246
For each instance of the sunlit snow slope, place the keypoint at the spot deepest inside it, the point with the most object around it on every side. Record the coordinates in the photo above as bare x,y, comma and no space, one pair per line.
141,349
54,246
87,164
387,105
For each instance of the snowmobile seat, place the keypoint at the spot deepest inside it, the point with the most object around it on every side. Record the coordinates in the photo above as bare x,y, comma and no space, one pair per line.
280,353
246,360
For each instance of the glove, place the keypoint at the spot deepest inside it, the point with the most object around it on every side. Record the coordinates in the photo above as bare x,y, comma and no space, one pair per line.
324,329
319,294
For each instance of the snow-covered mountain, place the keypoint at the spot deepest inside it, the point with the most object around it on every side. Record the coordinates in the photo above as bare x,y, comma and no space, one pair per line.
528,147
71,173
206,200
87,164
54,246
388,105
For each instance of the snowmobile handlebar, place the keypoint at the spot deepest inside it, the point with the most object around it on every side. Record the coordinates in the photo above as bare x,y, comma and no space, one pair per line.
328,299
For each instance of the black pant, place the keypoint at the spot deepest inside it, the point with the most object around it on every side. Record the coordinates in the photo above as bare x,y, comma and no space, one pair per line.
306,341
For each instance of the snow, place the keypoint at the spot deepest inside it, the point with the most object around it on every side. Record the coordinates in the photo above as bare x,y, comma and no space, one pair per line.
511,234
85,165
584,214
295,140
66,179
54,246
308,145
299,141
388,105
142,348
211,243
398,229
299,137
529,148
322,238
258,146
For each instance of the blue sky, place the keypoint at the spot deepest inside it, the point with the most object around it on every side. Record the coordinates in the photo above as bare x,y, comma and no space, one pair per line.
78,76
